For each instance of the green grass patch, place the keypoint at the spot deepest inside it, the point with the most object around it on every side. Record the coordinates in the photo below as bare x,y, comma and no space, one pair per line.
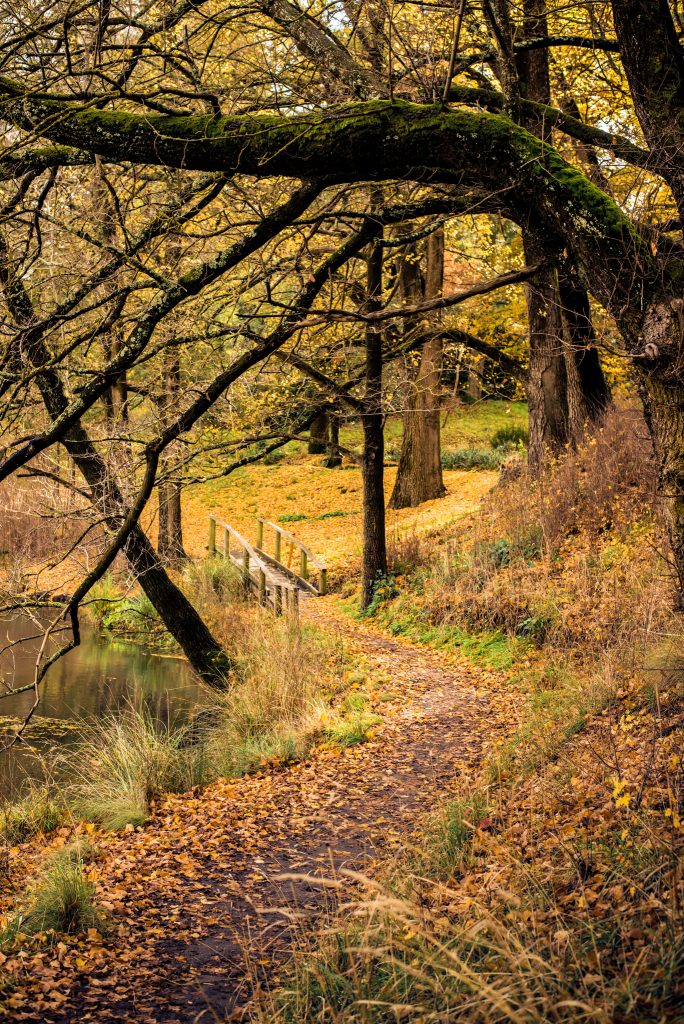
471,458
493,649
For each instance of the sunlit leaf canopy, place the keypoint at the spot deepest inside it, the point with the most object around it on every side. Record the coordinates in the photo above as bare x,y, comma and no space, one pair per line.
239,92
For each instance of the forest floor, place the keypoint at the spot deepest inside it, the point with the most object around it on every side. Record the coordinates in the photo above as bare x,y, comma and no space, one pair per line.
203,901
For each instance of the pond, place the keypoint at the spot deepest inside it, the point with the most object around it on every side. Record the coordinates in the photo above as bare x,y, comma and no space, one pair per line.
96,678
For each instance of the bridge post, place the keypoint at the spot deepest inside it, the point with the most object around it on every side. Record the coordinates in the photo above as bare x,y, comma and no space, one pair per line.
260,534
245,569
304,564
262,587
226,542
278,540
278,599
212,536
323,582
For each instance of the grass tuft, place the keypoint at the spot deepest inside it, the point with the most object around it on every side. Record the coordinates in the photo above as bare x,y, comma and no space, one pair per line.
38,811
126,762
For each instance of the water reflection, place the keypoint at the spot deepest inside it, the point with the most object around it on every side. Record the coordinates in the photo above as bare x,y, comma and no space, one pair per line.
97,677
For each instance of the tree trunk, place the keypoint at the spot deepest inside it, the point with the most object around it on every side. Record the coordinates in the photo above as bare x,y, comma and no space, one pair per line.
334,458
547,376
419,474
373,459
662,393
115,399
170,543
595,396
318,434
547,399
182,620
169,490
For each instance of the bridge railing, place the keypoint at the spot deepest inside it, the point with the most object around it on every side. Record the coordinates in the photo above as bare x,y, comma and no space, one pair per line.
281,596
308,561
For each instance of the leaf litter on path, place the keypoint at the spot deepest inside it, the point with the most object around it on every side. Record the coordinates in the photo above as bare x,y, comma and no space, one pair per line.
204,897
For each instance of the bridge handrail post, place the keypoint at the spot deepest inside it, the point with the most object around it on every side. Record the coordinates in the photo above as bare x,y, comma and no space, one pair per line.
260,534
212,535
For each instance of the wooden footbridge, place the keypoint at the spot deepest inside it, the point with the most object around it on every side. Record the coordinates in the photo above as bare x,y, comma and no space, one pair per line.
271,578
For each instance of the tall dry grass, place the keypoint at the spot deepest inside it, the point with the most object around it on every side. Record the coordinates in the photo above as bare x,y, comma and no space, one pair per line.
552,889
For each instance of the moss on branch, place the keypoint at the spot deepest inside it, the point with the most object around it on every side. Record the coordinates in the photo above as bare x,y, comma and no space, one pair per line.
376,140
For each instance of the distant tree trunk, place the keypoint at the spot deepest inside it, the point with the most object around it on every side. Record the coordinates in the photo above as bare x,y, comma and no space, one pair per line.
334,458
474,381
419,474
170,545
169,489
115,399
373,459
318,434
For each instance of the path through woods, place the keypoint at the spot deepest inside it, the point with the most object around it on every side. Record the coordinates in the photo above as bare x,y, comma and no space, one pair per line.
195,894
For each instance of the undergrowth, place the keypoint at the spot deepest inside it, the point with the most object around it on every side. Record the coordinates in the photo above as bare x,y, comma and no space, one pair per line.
550,888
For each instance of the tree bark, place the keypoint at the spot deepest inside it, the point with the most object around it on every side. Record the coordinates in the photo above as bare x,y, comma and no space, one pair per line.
169,490
547,377
373,458
582,355
334,458
663,398
419,474
549,427
318,434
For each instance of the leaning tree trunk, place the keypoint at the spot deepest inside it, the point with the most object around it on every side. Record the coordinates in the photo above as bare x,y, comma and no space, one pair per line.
180,617
373,459
419,474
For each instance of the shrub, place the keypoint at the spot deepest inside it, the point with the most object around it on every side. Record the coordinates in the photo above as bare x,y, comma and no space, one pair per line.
292,517
470,458
510,436
406,553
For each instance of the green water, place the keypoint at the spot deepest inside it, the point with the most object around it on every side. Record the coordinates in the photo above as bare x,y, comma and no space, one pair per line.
97,678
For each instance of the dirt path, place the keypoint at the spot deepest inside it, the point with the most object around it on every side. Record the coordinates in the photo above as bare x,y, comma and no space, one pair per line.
196,895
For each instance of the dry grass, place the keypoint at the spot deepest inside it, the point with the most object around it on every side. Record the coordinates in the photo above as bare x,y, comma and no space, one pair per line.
551,890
